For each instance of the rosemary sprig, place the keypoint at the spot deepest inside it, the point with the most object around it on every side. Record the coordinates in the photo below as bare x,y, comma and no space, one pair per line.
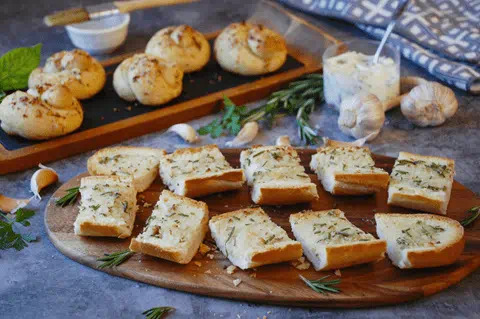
69,198
114,259
298,98
474,213
321,285
157,312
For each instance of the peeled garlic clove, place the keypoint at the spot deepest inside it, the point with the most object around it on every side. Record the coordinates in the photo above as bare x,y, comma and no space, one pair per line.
361,115
185,131
429,104
42,178
245,136
11,205
282,140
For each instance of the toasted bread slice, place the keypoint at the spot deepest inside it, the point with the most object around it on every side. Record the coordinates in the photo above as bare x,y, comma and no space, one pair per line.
108,206
420,240
276,176
175,229
140,162
421,182
345,169
330,241
200,171
249,238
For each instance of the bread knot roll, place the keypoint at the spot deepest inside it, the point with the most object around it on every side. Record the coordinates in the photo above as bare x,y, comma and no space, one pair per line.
75,69
147,79
41,113
250,49
181,45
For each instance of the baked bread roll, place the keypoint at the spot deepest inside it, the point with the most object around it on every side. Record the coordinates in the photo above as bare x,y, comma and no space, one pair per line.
75,69
182,45
147,79
250,49
41,113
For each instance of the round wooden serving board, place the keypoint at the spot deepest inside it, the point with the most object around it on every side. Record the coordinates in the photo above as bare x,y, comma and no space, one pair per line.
361,286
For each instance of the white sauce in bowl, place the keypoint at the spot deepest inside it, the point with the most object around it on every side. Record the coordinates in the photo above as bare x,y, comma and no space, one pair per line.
352,72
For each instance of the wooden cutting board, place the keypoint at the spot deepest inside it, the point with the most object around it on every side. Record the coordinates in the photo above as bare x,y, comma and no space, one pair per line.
362,286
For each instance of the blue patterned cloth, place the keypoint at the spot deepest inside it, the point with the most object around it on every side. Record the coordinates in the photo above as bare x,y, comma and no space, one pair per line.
442,36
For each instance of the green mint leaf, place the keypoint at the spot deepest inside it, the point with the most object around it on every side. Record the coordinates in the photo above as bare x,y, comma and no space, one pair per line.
22,215
16,66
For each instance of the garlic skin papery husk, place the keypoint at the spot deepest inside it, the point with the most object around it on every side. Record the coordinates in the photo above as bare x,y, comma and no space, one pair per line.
245,136
361,116
429,104
187,132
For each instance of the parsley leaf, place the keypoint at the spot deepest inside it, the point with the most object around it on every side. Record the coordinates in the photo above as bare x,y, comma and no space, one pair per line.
229,123
9,238
16,66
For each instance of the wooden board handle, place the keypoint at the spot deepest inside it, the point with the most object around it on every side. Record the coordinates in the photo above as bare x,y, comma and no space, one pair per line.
132,5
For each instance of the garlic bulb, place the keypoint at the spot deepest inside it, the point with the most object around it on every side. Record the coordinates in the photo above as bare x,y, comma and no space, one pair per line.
429,104
361,116
246,135
283,140
185,131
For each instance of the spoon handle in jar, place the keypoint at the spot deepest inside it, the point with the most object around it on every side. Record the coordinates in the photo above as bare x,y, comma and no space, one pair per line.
398,12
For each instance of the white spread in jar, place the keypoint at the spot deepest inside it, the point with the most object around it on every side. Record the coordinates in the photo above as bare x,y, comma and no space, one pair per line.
352,72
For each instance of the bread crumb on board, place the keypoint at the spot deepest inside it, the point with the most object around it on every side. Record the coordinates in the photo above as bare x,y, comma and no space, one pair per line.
338,273
300,263
231,269
199,264
237,282
208,271
203,249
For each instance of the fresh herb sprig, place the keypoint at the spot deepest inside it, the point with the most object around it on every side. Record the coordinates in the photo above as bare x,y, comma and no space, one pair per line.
9,238
474,213
114,259
298,98
157,312
69,198
323,286
16,66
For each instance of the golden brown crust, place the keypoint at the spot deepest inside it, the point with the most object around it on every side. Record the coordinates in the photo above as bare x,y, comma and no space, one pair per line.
418,202
288,252
426,157
360,184
87,228
435,258
334,143
286,196
154,250
246,211
190,150
225,181
355,254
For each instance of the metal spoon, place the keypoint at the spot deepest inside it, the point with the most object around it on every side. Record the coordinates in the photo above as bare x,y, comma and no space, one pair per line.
398,12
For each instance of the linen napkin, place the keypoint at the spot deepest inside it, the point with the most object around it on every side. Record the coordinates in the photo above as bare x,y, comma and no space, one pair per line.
442,36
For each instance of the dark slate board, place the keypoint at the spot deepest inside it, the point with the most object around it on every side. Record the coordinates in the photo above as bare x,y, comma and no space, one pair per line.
107,107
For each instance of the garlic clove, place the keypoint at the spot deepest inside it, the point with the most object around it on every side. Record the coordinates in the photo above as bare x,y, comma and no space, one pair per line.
361,115
42,178
283,140
187,132
429,104
11,205
248,132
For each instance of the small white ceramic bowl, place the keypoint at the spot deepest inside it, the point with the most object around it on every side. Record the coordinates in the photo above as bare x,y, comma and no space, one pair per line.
100,36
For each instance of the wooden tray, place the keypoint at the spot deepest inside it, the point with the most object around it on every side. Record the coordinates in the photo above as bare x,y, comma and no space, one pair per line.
362,286
109,119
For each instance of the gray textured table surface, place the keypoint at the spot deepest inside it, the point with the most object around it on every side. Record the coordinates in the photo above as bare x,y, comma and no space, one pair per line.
40,282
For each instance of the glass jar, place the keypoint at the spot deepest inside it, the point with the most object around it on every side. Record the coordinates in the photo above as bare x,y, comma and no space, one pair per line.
348,70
